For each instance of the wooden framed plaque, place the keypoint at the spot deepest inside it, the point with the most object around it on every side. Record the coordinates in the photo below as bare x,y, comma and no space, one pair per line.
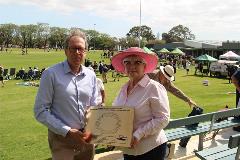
111,125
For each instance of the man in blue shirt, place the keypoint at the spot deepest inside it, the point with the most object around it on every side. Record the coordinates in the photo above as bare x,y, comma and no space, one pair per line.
66,91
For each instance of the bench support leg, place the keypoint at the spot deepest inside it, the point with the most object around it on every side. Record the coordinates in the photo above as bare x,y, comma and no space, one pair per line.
237,154
200,143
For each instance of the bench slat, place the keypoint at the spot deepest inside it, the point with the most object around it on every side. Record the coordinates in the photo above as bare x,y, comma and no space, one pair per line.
226,124
182,132
178,134
217,153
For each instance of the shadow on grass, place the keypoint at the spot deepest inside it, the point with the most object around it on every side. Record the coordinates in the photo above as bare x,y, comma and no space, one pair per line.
227,83
204,75
49,159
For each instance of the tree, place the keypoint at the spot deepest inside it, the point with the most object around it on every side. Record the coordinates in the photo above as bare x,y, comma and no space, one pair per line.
7,31
43,31
132,41
27,35
22,35
57,37
123,42
107,42
146,32
178,34
92,35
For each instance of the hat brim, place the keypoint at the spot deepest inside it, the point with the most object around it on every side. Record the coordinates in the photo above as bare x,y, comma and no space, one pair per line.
165,75
150,58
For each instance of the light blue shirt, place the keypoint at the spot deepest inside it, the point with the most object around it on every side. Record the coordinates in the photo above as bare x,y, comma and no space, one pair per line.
63,98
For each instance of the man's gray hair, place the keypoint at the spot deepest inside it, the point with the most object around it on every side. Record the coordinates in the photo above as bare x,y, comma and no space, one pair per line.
76,32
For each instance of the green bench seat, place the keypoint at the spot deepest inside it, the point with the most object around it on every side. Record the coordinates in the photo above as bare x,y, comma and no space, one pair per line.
228,151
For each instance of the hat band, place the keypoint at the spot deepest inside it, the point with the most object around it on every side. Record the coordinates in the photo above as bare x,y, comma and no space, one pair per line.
166,73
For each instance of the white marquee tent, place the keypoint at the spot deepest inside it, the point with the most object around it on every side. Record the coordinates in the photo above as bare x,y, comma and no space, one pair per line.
229,56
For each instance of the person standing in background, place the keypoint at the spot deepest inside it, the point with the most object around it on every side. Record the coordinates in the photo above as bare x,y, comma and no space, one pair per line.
101,91
236,82
1,75
188,64
165,77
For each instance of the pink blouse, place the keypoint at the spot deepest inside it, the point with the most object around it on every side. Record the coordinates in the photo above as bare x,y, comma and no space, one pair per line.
151,113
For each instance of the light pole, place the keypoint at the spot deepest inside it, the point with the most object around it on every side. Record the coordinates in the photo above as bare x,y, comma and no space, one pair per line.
139,31
93,37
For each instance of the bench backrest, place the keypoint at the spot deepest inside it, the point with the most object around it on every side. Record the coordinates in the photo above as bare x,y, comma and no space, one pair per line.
189,120
209,117
12,71
227,113
5,72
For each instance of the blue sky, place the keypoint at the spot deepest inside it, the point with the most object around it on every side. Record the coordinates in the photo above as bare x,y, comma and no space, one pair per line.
207,19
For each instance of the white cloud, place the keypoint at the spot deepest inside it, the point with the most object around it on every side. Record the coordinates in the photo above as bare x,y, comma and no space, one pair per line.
201,16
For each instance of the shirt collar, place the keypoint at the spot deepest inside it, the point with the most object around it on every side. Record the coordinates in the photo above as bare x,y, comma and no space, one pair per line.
144,81
67,68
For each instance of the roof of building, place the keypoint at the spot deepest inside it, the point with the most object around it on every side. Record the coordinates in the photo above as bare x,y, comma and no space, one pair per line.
169,46
208,44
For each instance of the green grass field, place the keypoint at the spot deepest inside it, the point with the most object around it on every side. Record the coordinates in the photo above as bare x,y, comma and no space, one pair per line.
22,137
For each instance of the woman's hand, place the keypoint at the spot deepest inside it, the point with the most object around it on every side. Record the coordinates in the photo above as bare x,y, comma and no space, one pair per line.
134,142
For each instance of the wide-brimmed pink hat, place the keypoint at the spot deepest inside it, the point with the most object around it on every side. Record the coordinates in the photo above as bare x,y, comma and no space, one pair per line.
150,58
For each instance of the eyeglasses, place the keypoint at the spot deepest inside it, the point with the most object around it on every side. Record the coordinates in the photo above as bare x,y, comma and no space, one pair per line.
127,62
74,50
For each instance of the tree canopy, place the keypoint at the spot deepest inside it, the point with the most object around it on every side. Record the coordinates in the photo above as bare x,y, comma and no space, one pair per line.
41,35
145,32
44,36
178,34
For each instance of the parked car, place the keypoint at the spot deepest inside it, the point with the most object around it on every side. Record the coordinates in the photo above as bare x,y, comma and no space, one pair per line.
220,67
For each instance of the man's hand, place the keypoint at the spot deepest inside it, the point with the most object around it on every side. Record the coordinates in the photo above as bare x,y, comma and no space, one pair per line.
87,136
78,136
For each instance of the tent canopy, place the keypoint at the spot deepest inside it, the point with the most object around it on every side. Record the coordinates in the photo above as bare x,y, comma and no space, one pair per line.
164,50
177,51
206,57
229,55
147,50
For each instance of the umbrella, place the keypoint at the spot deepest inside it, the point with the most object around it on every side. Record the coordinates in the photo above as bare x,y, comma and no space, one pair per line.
205,57
177,51
164,50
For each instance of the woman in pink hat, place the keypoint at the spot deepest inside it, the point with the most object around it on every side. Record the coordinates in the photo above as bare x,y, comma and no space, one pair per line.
149,100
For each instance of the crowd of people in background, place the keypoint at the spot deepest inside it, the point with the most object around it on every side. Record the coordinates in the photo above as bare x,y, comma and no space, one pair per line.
32,73
107,70
102,68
